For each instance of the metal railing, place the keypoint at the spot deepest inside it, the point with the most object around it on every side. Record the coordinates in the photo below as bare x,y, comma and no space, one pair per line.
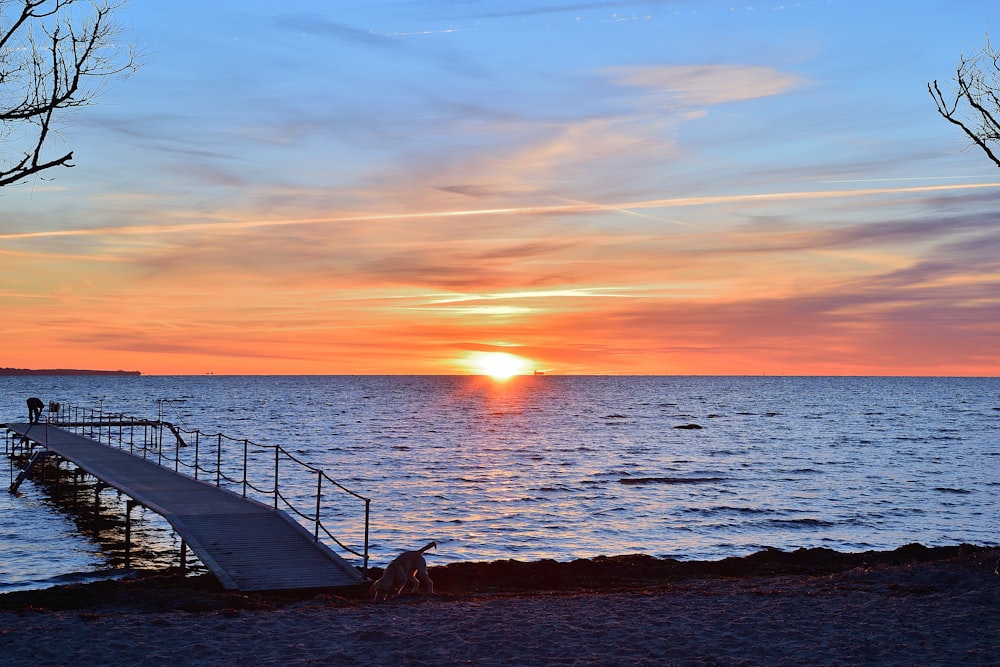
256,471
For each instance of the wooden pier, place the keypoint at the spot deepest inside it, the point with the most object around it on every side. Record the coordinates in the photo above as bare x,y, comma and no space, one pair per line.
246,544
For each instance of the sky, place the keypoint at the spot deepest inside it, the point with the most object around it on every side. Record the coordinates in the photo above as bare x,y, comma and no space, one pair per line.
505,186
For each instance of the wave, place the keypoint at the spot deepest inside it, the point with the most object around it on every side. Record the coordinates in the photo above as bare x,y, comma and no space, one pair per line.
669,480
801,523
66,579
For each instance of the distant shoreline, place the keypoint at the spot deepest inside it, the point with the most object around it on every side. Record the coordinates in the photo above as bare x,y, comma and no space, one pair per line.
61,371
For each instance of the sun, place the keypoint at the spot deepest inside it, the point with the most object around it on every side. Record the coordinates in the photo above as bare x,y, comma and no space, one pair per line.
499,365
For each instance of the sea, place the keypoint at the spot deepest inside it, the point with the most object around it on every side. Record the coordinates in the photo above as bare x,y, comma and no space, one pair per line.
566,467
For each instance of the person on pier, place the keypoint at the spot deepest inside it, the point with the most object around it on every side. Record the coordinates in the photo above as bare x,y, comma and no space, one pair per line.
35,407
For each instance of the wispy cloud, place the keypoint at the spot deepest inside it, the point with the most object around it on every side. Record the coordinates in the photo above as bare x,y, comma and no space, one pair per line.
321,26
706,85
540,209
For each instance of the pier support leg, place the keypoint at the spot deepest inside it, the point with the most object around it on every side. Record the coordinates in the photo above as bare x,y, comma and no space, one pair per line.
129,504
98,487
183,556
58,467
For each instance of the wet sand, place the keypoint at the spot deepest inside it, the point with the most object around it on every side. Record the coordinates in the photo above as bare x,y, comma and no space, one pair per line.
910,606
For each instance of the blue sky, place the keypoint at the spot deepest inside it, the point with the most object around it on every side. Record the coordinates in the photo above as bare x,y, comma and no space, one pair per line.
349,96
592,186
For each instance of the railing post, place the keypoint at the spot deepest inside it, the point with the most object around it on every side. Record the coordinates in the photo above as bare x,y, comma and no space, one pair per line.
276,449
319,495
218,461
197,443
197,450
368,503
246,454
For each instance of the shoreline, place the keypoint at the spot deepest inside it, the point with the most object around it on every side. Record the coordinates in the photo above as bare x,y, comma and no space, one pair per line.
601,574
62,372
913,605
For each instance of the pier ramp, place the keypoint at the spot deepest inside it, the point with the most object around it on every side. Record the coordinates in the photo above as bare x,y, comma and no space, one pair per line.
247,545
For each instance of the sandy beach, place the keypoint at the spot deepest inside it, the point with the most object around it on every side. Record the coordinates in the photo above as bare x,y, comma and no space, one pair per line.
810,607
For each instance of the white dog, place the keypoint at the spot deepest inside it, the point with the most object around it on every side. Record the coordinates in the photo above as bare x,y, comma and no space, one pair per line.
407,567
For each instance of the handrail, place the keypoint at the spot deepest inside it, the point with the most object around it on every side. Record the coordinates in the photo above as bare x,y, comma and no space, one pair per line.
116,429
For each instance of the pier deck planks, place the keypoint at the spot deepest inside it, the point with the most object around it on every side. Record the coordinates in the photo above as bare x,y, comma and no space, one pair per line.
247,545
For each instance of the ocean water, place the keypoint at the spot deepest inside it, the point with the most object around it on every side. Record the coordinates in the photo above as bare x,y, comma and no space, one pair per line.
566,467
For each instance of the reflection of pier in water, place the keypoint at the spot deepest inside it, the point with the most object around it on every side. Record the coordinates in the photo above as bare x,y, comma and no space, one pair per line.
247,544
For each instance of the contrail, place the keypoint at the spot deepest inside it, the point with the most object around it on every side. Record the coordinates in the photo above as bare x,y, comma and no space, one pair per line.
552,209
898,179
626,211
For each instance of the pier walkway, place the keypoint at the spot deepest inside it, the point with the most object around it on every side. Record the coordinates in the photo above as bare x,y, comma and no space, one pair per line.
246,544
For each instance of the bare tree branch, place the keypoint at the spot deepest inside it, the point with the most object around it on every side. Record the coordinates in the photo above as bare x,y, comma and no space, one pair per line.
974,104
53,55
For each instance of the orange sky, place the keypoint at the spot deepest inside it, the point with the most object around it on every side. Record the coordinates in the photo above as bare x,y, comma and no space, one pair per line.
638,210
384,295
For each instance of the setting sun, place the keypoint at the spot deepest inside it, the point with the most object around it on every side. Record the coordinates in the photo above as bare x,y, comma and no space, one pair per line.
499,365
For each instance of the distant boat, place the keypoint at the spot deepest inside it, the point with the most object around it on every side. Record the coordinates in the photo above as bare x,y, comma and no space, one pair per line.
539,372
